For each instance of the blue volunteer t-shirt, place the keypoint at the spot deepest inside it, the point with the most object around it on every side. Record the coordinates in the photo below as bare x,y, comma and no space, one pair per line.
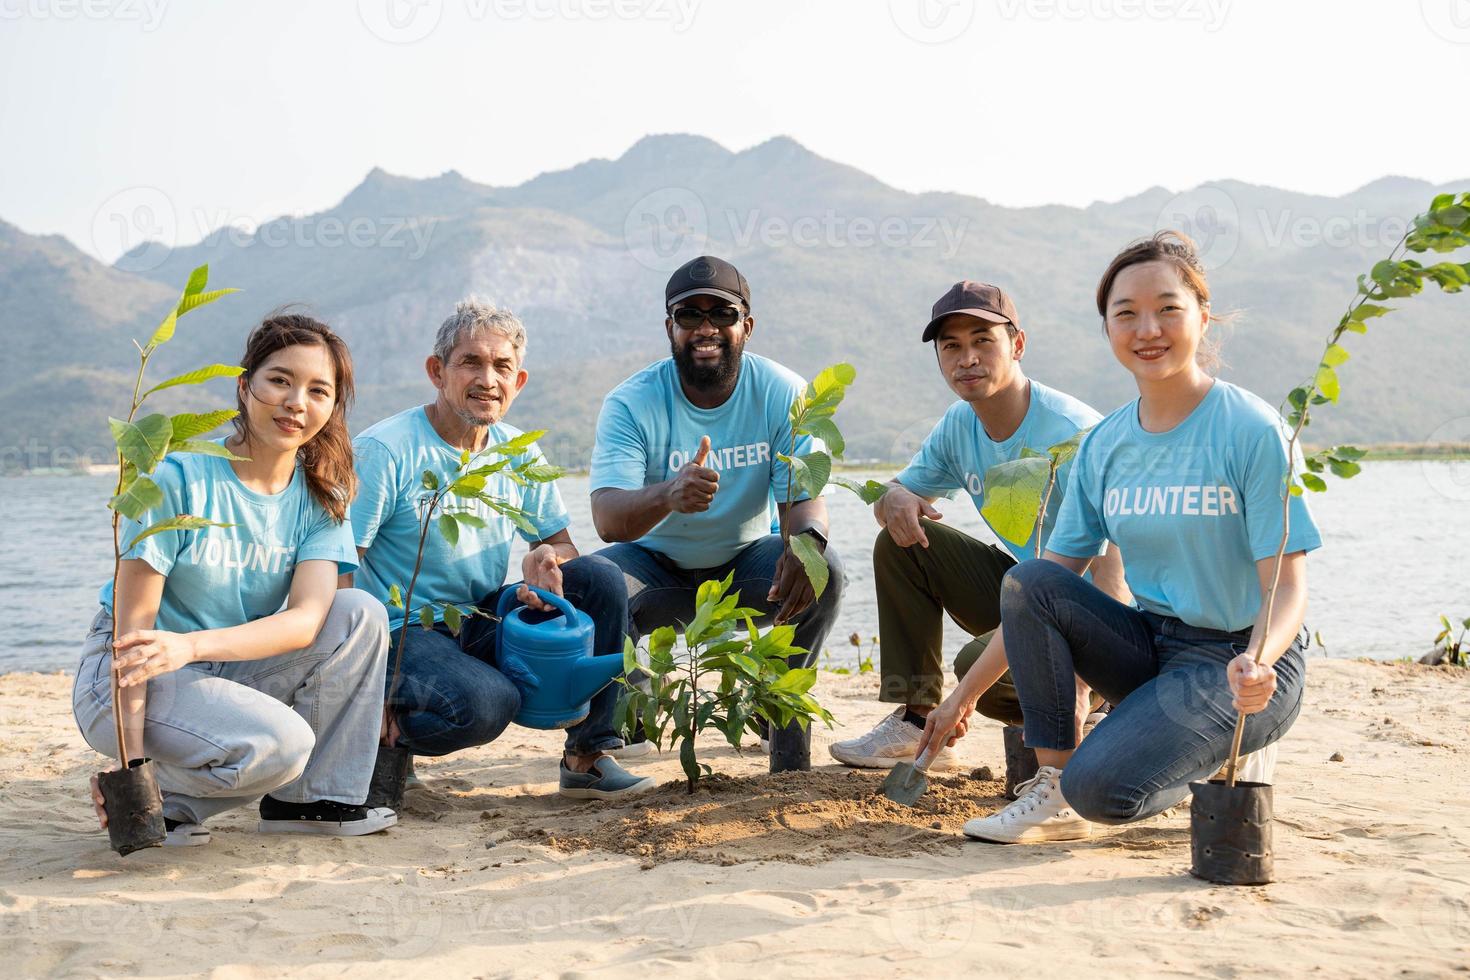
957,453
1193,509
391,457
219,577
647,430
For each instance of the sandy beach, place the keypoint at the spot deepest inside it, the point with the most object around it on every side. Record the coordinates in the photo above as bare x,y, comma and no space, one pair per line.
490,874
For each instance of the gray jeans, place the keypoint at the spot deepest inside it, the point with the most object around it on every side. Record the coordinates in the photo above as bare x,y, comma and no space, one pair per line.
301,726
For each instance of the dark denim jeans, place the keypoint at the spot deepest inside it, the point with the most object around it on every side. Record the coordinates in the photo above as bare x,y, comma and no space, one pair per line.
451,696
1172,721
662,594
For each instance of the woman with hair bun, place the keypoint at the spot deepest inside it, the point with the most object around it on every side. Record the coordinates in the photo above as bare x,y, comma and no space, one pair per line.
244,671
1188,480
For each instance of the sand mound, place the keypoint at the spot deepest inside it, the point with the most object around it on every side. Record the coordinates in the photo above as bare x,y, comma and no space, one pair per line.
802,818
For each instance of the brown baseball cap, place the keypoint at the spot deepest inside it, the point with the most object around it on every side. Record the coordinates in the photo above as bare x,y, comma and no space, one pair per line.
975,299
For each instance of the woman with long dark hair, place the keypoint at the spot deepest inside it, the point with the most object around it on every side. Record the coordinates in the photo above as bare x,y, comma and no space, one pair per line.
1190,481
244,672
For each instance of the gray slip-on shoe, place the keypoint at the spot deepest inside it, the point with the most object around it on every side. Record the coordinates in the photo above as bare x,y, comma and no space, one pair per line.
605,781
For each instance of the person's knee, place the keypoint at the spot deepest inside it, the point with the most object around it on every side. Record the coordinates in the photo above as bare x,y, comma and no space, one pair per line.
885,549
361,614
594,581
836,579
1029,583
484,710
999,703
1098,795
279,754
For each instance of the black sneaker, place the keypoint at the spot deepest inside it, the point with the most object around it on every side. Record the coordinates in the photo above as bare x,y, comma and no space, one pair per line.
327,817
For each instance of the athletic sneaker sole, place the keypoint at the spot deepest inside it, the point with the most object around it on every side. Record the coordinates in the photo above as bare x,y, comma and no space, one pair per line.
633,750
187,835
378,818
592,793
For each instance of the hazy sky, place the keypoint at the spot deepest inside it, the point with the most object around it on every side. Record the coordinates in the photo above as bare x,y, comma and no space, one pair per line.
236,111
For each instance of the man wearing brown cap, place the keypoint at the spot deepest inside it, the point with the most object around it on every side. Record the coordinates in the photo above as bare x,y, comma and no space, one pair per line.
923,569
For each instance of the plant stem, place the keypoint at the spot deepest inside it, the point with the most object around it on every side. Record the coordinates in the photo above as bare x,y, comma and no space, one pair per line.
408,595
117,715
1051,481
1302,417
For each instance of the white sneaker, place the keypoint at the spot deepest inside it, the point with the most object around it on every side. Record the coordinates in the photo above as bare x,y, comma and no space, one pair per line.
185,834
891,741
630,750
1039,814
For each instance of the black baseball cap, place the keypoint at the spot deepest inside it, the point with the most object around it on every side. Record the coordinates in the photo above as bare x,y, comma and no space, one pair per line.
975,299
709,276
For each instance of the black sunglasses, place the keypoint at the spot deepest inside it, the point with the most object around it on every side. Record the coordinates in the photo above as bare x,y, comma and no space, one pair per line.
690,317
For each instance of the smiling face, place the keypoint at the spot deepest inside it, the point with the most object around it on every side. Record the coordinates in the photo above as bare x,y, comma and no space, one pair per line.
1155,322
978,358
707,356
480,378
289,397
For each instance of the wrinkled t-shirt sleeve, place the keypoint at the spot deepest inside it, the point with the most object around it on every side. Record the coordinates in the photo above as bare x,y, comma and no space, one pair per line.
929,473
377,490
620,453
1079,532
1264,483
324,539
162,549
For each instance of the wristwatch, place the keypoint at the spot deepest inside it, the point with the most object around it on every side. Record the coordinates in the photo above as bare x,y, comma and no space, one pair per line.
817,533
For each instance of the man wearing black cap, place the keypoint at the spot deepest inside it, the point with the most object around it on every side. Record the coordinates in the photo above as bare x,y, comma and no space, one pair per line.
685,468
922,569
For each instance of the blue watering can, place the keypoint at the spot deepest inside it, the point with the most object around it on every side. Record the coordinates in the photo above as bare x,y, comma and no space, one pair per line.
551,662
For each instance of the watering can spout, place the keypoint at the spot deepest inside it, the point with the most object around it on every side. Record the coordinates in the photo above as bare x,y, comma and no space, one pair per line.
592,674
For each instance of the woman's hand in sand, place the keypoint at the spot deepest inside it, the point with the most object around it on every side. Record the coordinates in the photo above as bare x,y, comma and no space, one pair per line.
1251,683
946,724
145,654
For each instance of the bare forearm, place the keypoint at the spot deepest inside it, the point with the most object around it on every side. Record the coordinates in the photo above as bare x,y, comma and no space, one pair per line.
1107,575
287,630
627,515
985,671
1290,608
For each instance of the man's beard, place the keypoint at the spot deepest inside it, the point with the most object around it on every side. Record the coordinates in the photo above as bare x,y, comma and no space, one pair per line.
711,377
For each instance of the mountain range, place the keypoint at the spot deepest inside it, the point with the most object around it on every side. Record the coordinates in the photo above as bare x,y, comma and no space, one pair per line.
841,266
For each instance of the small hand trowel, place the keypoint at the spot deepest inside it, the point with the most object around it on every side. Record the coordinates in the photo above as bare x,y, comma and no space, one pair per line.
907,782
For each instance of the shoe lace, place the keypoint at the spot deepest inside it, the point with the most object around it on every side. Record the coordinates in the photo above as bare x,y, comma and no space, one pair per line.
1031,793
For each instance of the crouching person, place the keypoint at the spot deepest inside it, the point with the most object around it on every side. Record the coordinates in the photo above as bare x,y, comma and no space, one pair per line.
232,695
450,694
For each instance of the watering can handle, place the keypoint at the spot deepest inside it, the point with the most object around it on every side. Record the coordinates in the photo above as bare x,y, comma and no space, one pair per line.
551,598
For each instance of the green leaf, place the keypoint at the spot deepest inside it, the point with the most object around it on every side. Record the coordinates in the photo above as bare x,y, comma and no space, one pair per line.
426,617
198,279
798,680
190,303
540,472
1326,382
827,431
184,522
469,485
515,515
1013,492
395,596
812,562
516,446
449,529
198,377
814,472
1335,356
869,491
137,498
468,519
187,425
202,447
687,761
452,618
1314,483
1367,311
1344,470
164,332
1067,448
1298,398
630,656
430,480
143,443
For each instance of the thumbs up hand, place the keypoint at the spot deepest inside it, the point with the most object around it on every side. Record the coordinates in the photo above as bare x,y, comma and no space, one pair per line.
693,487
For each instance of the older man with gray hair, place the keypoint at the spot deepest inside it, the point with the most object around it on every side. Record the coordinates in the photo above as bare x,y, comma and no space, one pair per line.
450,694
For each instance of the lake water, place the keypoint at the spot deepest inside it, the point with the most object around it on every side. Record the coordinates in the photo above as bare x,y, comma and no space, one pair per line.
1395,559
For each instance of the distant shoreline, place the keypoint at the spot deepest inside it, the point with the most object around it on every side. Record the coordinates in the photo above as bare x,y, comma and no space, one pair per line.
1407,452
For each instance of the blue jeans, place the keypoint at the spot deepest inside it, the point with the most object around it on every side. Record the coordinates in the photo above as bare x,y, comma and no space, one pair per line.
451,696
1172,721
662,594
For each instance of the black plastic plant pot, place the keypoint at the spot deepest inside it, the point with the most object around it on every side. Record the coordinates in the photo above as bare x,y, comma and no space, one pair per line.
390,775
1021,762
134,807
1230,833
791,748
